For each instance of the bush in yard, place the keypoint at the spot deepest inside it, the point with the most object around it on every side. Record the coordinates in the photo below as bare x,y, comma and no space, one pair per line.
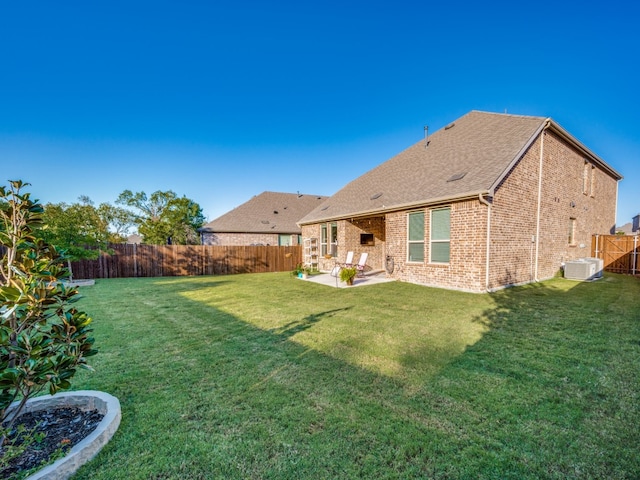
43,338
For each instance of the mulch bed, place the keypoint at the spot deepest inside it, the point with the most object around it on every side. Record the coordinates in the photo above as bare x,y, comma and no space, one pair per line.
64,427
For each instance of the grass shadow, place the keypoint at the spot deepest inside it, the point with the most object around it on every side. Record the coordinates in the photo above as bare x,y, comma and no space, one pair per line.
296,326
209,389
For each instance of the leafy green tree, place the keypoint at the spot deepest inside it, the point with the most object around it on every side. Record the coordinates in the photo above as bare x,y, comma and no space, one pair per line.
119,220
185,218
44,339
163,217
77,229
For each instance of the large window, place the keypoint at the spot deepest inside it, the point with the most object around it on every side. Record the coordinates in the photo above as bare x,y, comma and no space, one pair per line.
415,247
329,239
440,235
323,239
334,239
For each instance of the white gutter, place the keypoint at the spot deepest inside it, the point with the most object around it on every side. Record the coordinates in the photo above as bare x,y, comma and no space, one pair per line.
488,251
539,207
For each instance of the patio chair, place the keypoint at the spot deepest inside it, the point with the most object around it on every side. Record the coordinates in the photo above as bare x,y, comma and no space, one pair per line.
335,271
361,264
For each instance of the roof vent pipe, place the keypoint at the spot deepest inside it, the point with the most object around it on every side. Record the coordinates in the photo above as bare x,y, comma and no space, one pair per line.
426,136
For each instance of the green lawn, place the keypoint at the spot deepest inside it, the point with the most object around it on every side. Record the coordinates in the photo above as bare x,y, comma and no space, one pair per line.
268,377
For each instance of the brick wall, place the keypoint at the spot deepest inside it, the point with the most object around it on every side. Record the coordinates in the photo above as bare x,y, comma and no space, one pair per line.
466,268
243,239
563,197
513,223
313,231
353,231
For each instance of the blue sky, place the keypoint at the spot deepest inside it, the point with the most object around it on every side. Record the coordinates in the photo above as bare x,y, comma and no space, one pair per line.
222,100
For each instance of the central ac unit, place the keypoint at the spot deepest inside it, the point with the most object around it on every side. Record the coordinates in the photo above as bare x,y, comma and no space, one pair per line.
599,263
580,270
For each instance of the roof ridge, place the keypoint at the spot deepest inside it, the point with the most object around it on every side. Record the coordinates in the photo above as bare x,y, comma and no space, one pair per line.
505,114
298,194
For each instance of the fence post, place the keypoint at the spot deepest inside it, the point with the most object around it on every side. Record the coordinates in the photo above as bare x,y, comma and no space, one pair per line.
135,261
635,254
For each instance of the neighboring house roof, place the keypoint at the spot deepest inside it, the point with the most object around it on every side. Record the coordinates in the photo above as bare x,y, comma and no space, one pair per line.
467,158
134,238
627,228
269,212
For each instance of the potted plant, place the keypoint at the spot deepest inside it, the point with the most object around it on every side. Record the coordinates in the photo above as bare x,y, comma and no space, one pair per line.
347,274
297,272
306,271
301,271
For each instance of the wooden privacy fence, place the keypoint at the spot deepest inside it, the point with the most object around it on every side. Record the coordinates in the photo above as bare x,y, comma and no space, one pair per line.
620,253
130,260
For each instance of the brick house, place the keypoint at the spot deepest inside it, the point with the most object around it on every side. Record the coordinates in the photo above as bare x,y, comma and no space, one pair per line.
267,219
488,201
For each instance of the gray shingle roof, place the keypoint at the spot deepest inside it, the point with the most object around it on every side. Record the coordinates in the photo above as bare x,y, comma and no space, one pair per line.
269,212
467,157
627,228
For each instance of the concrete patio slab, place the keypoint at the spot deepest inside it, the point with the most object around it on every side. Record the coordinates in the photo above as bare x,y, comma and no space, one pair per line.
328,280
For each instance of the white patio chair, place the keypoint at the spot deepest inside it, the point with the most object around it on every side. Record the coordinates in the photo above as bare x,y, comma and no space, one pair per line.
349,260
361,263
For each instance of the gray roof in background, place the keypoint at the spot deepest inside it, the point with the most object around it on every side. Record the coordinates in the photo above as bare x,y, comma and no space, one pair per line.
627,228
269,212
468,157
480,145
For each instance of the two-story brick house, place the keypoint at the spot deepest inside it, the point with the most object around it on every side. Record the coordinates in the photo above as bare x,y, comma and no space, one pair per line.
488,201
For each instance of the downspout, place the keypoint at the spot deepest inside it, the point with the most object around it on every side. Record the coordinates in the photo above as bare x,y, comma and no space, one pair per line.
484,201
539,207
615,211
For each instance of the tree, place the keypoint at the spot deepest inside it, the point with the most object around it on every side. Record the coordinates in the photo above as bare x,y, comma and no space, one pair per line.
119,219
77,229
185,218
163,217
44,339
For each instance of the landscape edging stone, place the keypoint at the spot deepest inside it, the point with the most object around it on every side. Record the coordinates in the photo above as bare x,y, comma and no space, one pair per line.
87,448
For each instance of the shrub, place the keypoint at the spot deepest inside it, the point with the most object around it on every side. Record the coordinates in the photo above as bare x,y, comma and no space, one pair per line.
347,274
43,338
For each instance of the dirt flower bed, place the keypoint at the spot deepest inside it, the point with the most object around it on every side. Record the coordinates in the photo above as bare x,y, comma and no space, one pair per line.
63,427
